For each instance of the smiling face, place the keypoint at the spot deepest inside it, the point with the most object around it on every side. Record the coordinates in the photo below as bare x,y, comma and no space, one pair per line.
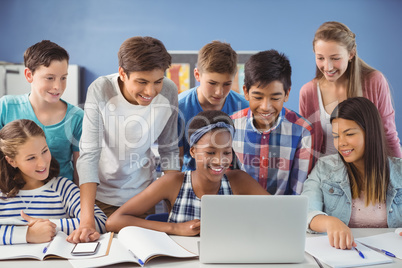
48,83
349,140
266,103
213,89
213,153
33,161
140,88
332,59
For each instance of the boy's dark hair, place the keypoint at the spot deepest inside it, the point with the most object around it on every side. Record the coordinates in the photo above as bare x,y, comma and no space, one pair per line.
265,67
138,54
206,118
217,57
43,53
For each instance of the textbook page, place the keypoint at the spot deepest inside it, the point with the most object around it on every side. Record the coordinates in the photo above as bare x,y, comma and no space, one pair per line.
136,245
61,248
19,251
390,242
320,248
117,254
146,244
57,248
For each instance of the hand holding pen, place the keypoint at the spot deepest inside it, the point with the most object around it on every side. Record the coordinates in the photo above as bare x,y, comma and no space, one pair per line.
39,230
360,253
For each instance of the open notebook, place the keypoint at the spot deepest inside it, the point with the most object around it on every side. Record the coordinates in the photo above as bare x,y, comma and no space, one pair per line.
320,248
57,248
137,245
390,241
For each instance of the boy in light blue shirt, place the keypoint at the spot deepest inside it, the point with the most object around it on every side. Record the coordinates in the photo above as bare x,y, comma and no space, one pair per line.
216,69
46,69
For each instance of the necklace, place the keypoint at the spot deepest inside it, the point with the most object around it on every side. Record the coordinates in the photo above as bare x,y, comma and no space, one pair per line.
27,203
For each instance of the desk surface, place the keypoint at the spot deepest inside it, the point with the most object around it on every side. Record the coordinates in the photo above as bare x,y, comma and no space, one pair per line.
191,244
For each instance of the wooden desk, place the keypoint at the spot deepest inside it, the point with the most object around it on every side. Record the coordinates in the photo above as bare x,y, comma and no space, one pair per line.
191,243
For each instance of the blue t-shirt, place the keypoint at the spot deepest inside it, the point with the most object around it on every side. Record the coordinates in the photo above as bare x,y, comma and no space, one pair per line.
189,106
62,138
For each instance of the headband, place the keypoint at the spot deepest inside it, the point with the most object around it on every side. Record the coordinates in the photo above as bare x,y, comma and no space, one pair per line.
196,136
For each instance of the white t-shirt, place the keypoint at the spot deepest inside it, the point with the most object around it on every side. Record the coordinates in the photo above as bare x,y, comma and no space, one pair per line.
115,147
326,126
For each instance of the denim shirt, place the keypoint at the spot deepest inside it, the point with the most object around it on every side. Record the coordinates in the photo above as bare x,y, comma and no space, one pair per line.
329,193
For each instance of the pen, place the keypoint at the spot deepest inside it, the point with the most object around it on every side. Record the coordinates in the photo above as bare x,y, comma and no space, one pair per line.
388,253
318,262
139,260
381,250
360,253
47,246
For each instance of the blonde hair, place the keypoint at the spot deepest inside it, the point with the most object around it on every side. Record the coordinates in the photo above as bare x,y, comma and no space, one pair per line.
357,69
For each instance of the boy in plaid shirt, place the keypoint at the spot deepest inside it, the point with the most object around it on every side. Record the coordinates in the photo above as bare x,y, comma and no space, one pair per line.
272,143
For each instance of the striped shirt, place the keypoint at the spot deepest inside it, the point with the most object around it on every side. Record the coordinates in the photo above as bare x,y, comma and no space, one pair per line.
280,158
187,206
58,200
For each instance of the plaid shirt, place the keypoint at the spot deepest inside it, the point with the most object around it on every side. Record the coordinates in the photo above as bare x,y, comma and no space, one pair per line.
279,159
187,206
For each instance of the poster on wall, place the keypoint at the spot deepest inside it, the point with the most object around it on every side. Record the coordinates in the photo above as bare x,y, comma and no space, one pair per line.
181,72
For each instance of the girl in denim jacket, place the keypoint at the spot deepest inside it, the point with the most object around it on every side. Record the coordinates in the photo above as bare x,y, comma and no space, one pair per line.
361,186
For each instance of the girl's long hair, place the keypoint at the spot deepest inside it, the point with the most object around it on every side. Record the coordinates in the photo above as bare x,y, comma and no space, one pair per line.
374,182
357,70
12,136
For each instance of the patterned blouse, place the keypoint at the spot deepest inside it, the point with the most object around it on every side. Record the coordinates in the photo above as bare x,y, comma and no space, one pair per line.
187,206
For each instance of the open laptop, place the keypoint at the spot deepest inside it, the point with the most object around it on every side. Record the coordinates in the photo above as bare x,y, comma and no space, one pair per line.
253,229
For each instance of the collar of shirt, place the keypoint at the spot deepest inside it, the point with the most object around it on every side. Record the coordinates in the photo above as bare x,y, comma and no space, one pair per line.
277,123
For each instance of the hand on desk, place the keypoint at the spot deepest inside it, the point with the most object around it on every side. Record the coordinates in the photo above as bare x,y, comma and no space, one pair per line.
39,230
83,234
339,235
188,228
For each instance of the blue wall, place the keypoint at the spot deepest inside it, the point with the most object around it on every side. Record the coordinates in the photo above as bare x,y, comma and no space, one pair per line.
92,30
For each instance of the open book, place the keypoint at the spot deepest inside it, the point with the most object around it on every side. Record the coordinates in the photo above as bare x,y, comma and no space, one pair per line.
137,245
390,242
57,248
320,248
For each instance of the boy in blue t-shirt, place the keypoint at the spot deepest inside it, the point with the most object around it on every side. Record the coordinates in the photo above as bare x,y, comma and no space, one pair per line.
216,69
46,69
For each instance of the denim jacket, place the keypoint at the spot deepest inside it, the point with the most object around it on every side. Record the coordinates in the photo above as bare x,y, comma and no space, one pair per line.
329,193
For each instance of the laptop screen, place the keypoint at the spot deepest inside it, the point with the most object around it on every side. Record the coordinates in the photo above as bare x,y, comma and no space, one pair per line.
253,229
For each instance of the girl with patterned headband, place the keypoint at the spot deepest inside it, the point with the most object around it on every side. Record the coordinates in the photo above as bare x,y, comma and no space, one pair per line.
210,136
